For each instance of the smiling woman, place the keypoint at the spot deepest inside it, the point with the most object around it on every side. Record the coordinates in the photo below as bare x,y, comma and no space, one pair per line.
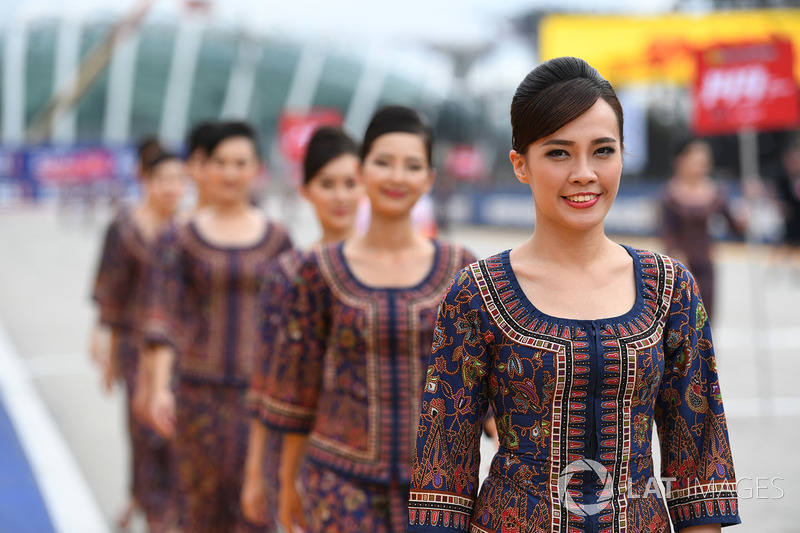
578,345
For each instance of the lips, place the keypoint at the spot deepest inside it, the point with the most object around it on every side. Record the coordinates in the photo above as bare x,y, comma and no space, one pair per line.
393,193
581,201
581,198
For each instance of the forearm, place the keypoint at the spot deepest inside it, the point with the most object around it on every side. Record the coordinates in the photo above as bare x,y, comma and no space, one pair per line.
162,359
292,452
255,447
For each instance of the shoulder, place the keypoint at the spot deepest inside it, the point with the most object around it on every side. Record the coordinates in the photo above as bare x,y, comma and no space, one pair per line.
668,273
458,255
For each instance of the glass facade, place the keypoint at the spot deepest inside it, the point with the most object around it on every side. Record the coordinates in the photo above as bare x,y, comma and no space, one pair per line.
217,56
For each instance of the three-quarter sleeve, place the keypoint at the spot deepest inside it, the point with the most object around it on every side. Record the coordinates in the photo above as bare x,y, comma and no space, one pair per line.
166,292
113,287
274,293
444,479
293,370
696,461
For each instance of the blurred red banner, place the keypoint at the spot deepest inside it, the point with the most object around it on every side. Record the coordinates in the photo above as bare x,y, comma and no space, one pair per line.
745,86
296,129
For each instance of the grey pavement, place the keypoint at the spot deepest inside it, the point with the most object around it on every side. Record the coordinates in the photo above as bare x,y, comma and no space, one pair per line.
47,261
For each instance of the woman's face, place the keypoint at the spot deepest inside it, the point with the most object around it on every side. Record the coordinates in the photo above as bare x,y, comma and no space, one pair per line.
231,169
695,161
574,173
335,191
396,173
165,185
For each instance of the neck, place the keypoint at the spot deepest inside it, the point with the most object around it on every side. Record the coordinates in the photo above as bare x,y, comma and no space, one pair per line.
230,209
392,233
330,236
161,215
567,247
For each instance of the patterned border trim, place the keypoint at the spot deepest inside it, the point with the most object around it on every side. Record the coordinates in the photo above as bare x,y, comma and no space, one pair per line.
441,509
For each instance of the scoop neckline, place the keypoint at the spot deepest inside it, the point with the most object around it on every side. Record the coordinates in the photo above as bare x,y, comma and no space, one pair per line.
192,224
633,312
361,284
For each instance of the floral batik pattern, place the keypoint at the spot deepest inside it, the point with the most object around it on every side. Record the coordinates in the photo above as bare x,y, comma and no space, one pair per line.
575,402
349,364
204,303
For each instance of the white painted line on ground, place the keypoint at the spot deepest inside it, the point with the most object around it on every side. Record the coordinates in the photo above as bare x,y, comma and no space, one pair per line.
66,494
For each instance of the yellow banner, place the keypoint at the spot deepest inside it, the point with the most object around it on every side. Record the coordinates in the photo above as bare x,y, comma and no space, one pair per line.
628,49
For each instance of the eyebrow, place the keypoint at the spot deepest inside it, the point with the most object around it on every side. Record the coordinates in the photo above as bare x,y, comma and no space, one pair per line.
563,142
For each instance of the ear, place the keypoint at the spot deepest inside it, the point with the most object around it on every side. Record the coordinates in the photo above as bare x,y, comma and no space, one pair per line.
432,175
520,168
303,190
360,171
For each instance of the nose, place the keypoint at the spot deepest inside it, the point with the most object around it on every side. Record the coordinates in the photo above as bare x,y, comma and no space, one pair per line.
582,172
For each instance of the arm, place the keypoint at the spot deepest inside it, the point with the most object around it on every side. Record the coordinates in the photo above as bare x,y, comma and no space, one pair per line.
273,292
453,408
162,401
690,418
670,223
290,504
293,378
253,497
111,372
165,297
111,293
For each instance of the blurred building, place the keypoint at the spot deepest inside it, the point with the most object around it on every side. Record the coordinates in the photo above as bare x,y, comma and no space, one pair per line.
170,75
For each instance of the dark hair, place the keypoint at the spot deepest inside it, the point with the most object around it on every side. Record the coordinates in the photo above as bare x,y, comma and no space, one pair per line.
229,130
156,159
201,137
397,119
554,94
147,147
325,145
684,143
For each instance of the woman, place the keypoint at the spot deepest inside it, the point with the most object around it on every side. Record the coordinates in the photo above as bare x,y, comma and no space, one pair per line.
690,202
204,321
331,186
347,385
119,291
577,344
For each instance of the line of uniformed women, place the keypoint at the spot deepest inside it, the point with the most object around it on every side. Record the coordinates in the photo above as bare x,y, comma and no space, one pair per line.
332,342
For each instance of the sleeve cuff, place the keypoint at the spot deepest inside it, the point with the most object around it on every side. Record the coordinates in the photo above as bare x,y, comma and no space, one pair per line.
284,416
710,503
438,511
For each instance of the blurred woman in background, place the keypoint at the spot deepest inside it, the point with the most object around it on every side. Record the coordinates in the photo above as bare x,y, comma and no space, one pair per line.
690,201
120,292
203,324
331,186
352,362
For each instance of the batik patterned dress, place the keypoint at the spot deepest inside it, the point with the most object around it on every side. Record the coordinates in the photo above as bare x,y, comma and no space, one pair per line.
120,292
575,401
205,305
274,297
350,375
